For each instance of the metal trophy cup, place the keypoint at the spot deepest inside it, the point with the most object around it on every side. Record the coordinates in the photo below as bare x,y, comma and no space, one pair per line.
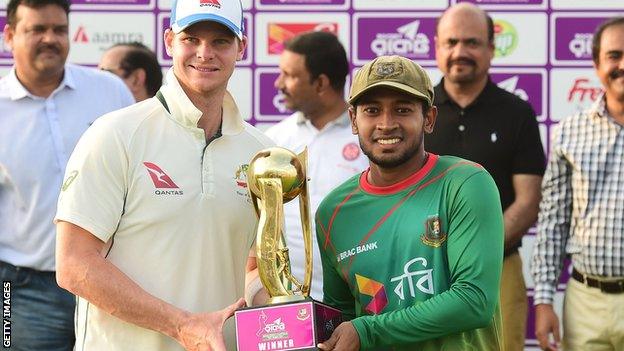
291,320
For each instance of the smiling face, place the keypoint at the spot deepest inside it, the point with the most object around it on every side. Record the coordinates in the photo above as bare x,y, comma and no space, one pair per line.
204,56
610,63
463,51
390,126
39,41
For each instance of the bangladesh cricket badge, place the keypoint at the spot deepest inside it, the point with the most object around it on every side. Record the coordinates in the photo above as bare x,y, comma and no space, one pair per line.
433,235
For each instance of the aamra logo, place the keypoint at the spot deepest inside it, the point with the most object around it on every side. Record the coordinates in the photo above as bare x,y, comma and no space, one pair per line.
505,38
279,33
105,38
159,177
374,289
81,36
406,42
211,3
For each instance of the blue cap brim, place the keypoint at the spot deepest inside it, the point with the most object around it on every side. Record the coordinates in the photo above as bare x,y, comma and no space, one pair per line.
188,21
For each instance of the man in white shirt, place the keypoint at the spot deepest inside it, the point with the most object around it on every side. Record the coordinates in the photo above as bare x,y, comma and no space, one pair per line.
313,70
45,106
154,222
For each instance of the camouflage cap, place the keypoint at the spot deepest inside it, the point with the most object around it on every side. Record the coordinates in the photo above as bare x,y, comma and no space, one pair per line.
394,72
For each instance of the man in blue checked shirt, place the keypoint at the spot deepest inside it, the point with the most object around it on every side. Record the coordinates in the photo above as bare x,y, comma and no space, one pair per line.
45,106
582,214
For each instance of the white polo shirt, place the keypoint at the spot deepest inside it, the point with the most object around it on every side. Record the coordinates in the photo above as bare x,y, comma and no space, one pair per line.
175,210
37,135
334,155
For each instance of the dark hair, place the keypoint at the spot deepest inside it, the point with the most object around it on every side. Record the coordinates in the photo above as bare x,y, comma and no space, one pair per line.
323,55
140,56
489,23
14,4
615,21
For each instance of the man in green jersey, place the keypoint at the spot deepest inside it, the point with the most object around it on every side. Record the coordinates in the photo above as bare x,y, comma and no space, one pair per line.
412,248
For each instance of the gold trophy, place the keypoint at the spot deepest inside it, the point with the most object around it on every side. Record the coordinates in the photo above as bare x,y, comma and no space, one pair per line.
291,320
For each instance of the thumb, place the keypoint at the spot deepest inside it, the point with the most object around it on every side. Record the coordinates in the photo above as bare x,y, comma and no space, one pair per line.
229,311
556,335
329,344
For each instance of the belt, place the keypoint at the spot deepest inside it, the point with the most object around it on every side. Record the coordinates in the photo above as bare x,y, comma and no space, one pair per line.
606,286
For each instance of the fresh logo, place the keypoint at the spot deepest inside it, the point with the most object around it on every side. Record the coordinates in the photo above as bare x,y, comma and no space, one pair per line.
582,91
374,289
211,3
505,38
161,180
279,33
581,45
424,283
405,42
69,180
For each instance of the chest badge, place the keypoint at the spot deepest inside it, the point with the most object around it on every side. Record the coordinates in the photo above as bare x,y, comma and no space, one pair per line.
433,235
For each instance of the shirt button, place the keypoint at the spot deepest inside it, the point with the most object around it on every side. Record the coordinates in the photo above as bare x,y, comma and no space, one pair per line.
461,113
461,128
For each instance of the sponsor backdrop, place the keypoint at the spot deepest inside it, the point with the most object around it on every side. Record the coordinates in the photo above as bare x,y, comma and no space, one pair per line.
543,49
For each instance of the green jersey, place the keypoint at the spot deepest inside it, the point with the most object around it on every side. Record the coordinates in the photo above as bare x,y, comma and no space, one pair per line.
416,265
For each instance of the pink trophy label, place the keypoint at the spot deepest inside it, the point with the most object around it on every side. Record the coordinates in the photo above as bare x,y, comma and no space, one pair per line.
292,326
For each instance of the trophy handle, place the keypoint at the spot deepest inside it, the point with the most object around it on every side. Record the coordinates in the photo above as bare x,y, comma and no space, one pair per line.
271,250
304,210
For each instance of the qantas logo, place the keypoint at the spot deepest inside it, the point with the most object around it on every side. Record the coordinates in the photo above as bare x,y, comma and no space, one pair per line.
211,3
161,180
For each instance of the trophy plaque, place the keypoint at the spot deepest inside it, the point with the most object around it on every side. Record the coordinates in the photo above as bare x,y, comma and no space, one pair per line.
291,320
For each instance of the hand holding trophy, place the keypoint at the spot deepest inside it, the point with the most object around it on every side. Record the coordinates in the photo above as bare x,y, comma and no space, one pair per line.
291,320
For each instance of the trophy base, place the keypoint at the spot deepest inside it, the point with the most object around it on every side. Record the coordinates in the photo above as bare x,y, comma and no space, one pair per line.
297,325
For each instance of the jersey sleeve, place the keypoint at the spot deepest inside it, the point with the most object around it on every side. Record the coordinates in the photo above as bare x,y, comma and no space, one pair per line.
93,193
336,292
475,256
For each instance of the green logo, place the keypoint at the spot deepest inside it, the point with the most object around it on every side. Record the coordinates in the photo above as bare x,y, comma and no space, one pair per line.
505,38
70,179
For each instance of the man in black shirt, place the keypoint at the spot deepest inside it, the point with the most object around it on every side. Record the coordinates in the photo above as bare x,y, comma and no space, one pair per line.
481,122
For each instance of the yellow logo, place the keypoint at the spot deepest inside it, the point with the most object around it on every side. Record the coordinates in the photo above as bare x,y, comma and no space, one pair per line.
69,180
433,232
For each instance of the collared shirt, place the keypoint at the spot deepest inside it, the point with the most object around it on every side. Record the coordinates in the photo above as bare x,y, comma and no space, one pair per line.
582,208
334,155
173,207
498,130
37,135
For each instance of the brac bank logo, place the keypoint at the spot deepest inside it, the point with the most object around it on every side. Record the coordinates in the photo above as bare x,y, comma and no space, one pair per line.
581,45
281,32
407,41
583,91
505,38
